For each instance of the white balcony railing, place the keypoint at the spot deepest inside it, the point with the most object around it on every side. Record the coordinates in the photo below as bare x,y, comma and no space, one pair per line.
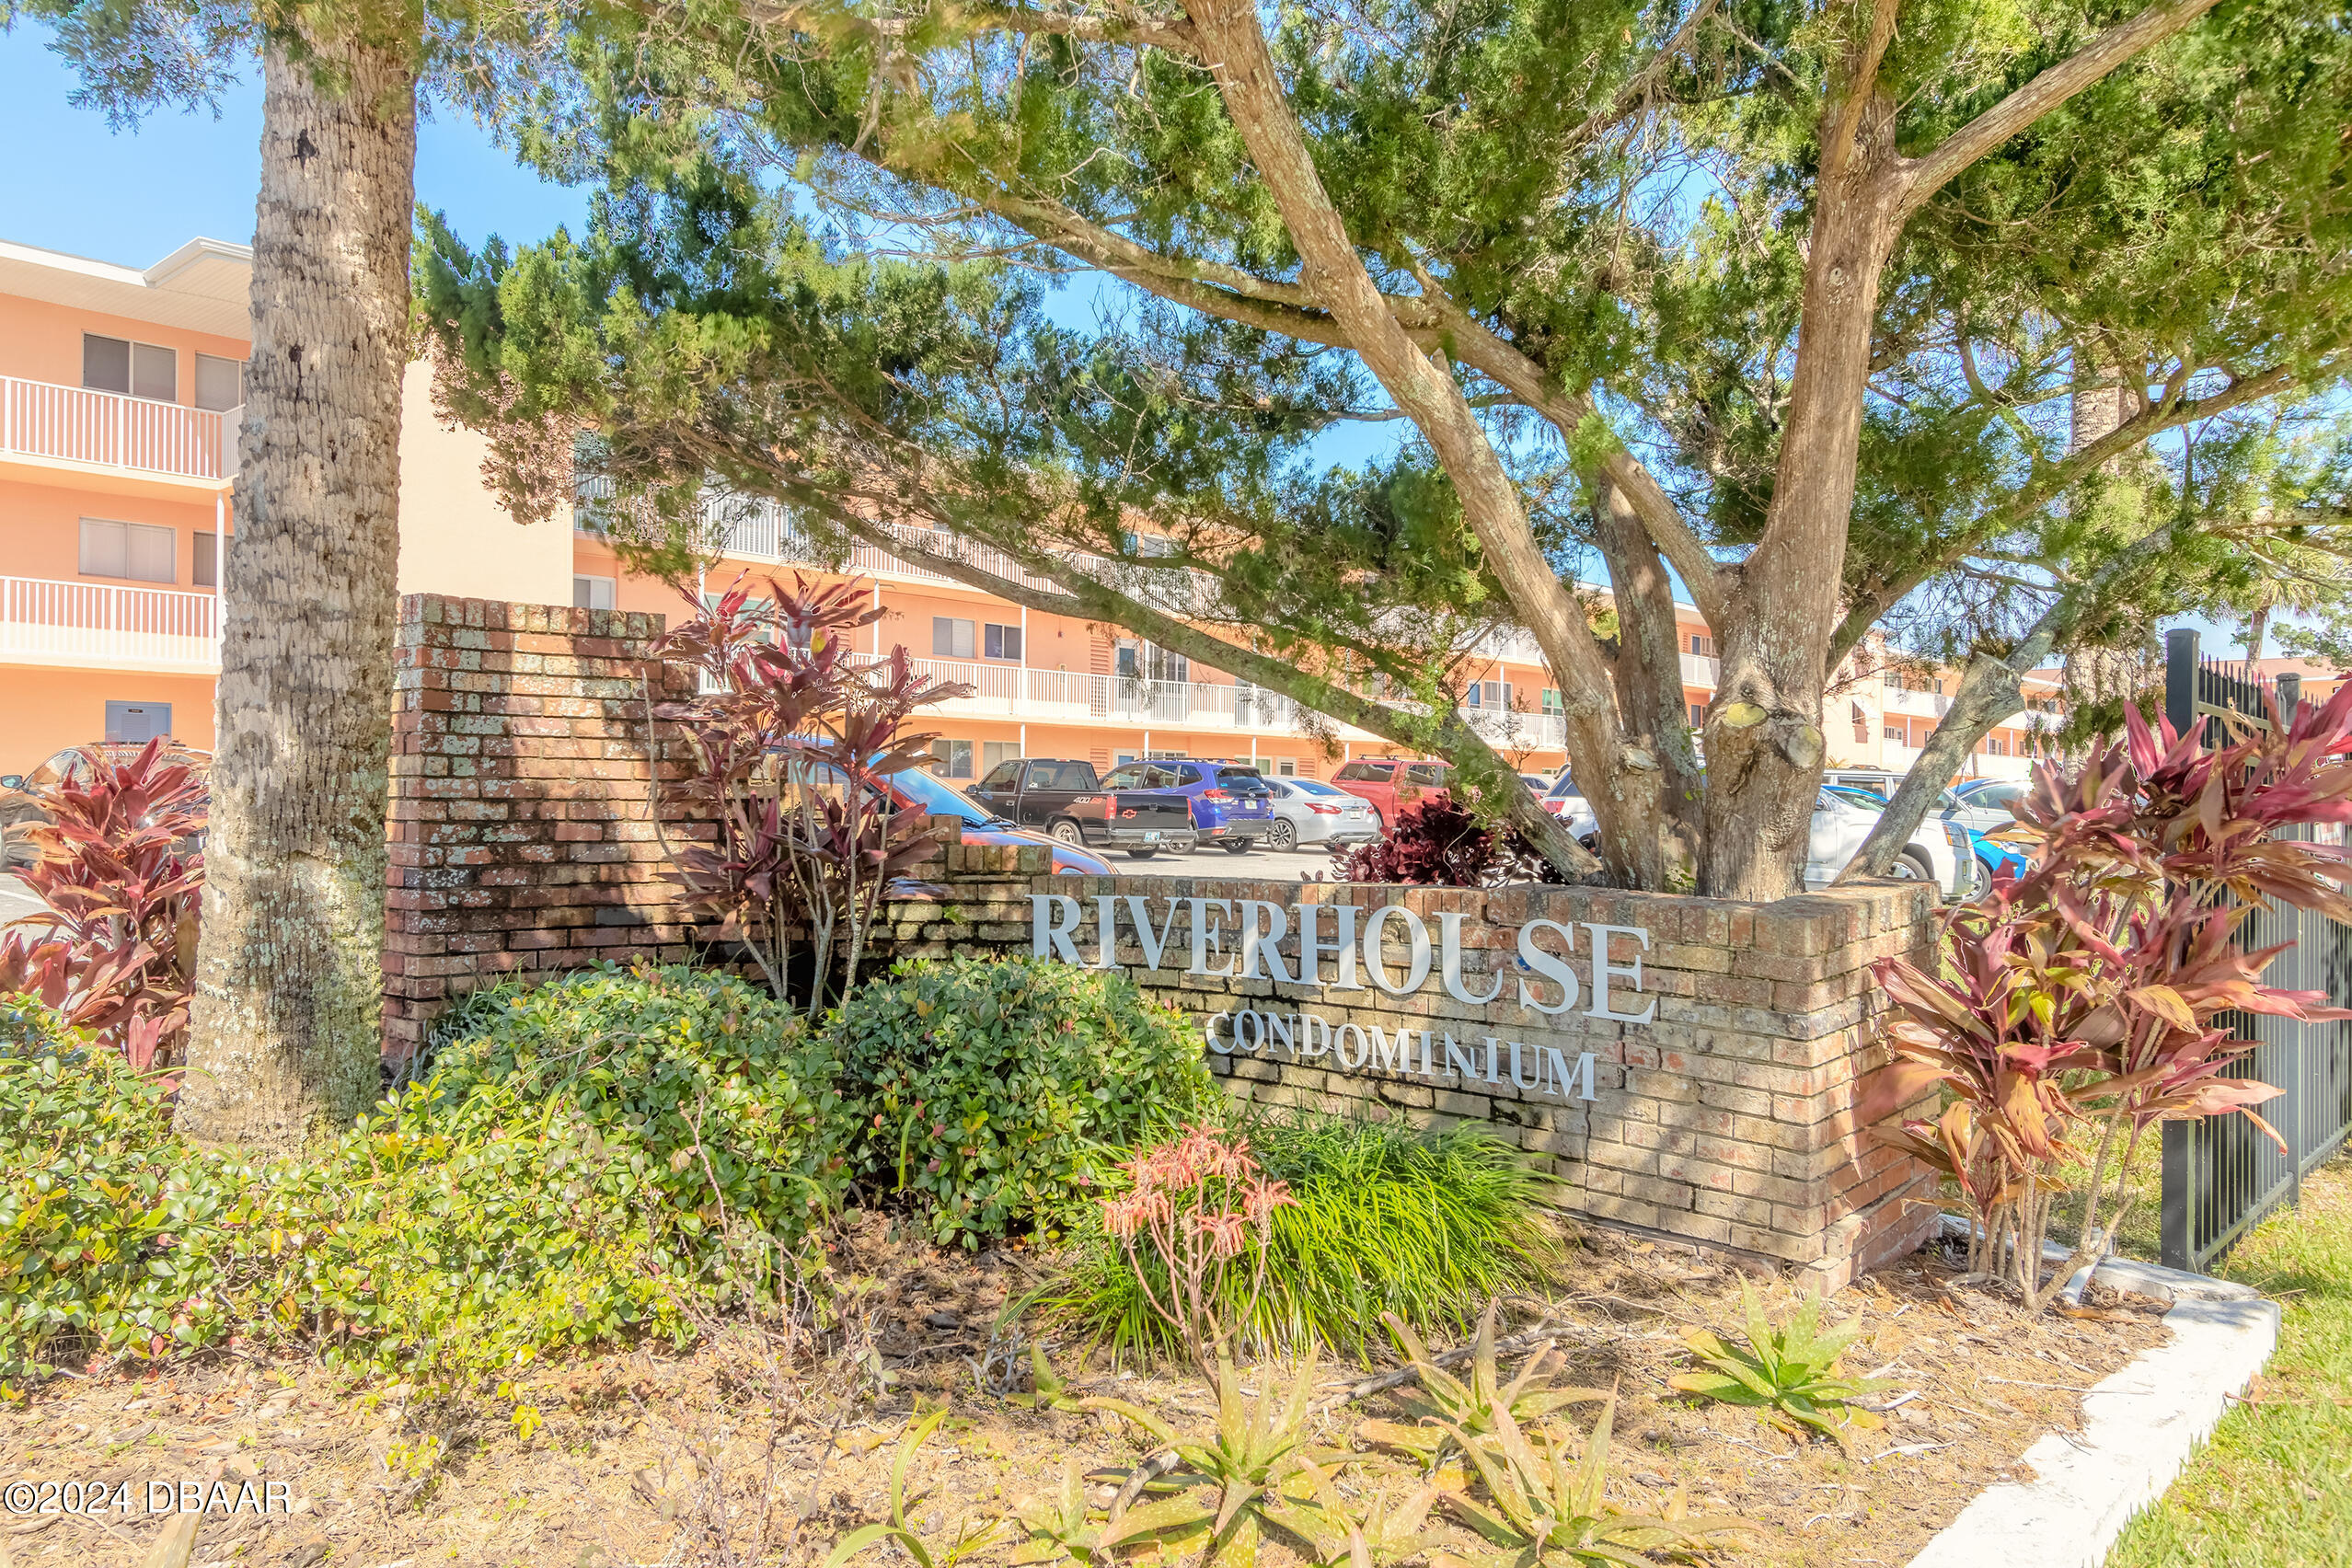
1923,704
1700,670
96,625
76,424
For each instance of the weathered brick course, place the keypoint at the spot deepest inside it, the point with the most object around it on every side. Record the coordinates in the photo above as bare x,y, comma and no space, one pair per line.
520,842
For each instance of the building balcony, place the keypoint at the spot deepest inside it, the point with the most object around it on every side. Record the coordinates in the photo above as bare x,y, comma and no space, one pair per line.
95,626
1919,704
128,445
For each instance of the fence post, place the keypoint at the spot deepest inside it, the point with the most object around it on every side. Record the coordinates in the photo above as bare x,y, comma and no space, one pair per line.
2290,697
2180,678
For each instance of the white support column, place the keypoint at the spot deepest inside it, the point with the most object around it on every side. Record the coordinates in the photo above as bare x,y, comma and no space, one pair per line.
1024,740
220,553
878,621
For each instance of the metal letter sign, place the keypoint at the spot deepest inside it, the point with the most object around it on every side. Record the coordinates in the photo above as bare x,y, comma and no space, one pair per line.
1391,948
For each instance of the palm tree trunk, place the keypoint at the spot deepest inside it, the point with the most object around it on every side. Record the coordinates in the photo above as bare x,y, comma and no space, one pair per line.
287,1020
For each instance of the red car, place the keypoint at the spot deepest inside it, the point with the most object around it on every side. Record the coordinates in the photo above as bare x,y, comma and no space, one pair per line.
1392,783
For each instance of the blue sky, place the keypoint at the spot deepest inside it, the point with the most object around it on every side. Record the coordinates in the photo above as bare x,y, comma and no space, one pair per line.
134,196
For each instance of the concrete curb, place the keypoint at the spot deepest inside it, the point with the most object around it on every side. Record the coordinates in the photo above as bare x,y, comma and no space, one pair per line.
2139,1427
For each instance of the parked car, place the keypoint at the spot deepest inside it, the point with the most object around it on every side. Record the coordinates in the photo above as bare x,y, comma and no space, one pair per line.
18,806
1940,850
1067,800
1308,810
1536,782
1231,806
1564,801
1877,780
983,827
1389,784
1983,803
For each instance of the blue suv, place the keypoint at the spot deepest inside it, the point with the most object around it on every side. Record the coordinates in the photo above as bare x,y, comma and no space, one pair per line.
1232,805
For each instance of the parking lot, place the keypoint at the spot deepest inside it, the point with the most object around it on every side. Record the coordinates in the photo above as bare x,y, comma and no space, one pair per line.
1212,862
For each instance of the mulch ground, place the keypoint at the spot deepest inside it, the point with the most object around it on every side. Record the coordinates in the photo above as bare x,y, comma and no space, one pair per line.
727,1456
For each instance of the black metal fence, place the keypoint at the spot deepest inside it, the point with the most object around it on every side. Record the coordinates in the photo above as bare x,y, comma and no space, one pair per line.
2221,1176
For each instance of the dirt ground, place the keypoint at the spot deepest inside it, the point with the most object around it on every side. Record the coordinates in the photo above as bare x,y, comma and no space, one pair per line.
721,1456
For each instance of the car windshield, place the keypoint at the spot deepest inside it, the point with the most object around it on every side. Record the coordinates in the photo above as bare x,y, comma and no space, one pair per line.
1563,787
1241,780
1852,797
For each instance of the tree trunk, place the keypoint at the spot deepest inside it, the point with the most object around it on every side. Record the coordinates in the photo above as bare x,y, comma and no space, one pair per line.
1648,669
2258,622
1764,740
287,1021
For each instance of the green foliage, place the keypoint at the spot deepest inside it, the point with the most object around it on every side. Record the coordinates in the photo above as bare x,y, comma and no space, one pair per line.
1249,1471
1387,1219
110,1228
1446,1409
971,1536
1788,1373
588,1158
1001,1092
1546,1510
585,1153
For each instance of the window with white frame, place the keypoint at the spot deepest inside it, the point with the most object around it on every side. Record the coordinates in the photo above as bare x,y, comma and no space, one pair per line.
1702,645
1489,696
1697,715
953,759
141,369
999,642
1552,703
140,551
592,592
220,382
995,753
1287,768
950,637
205,569
1899,735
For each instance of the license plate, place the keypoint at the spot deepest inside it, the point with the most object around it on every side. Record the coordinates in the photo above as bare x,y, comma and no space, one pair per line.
1151,838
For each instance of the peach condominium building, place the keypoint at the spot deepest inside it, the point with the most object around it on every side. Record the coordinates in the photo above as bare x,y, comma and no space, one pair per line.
120,395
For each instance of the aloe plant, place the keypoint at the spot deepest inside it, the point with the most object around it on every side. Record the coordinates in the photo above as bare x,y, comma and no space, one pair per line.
1249,1471
1445,1405
1546,1510
1789,1374
1058,1525
971,1535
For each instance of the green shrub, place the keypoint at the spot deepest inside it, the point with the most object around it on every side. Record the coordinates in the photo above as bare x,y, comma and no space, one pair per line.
111,1230
1003,1091
1428,1225
584,1153
587,1157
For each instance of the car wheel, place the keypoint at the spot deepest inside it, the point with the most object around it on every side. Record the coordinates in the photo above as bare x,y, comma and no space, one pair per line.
1379,824
1143,854
1912,866
1068,831
1283,836
1238,847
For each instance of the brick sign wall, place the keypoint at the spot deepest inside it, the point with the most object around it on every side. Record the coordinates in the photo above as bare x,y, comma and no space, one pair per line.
1701,1085
1698,1083
519,836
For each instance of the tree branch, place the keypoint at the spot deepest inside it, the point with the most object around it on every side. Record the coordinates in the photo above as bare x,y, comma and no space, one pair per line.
1923,177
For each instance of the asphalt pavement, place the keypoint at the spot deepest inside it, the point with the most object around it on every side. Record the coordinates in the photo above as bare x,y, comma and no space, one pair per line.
16,901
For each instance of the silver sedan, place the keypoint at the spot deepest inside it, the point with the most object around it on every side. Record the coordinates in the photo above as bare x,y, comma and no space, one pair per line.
1308,810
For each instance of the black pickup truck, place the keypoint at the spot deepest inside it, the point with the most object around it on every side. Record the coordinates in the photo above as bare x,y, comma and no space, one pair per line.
1066,799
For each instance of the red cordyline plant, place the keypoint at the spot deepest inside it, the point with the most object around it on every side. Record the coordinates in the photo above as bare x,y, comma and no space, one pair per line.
1437,843
2078,1004
1199,1204
117,952
793,737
